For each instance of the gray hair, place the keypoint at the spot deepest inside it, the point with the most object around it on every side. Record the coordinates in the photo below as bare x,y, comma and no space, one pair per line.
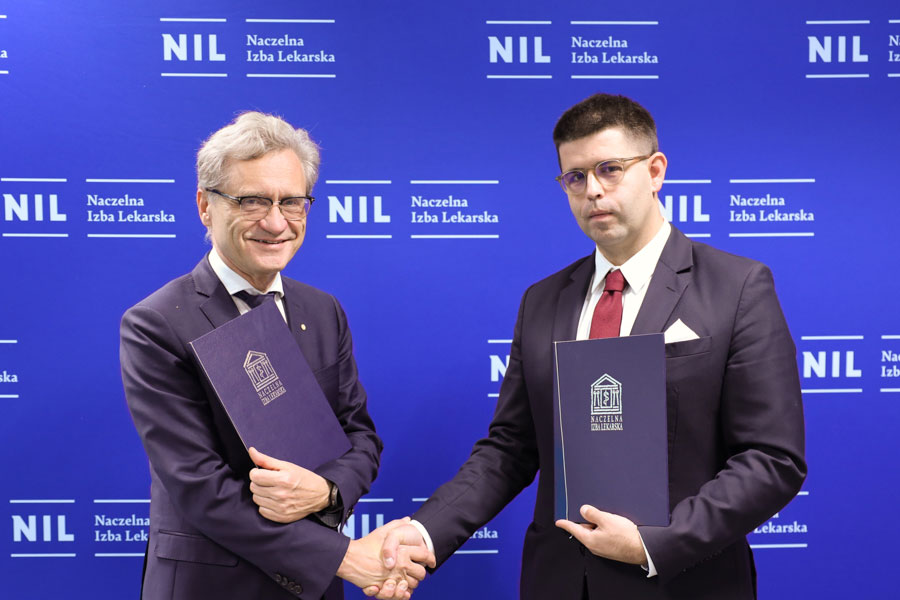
251,135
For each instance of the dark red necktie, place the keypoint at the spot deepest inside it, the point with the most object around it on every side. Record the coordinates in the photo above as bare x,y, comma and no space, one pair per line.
607,319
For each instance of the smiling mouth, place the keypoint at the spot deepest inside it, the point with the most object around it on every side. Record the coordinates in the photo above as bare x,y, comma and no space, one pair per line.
268,242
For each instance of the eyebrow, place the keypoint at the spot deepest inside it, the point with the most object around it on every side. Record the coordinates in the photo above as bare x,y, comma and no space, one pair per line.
267,195
597,162
594,164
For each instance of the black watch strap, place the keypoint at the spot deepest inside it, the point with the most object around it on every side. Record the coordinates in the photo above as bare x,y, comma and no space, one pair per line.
333,496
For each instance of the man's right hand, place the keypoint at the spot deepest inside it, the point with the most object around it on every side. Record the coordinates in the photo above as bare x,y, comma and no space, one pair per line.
367,559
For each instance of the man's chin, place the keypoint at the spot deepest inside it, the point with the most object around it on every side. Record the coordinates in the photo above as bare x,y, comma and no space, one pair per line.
270,267
603,235
274,261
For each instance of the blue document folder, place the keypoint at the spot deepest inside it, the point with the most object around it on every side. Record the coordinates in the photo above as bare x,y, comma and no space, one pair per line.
610,428
268,390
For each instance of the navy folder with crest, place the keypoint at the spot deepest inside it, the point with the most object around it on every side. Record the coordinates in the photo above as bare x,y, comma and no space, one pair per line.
610,428
268,390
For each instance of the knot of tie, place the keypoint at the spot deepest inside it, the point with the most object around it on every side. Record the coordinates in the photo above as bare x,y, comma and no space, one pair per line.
254,300
615,281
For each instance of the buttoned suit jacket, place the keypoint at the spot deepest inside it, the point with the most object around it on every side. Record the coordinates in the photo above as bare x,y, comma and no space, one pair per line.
207,539
735,433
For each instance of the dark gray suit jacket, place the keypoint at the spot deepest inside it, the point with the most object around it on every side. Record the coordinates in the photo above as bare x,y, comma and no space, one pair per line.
207,539
735,433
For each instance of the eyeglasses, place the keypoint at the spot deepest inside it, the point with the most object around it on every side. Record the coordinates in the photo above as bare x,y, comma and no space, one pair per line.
294,208
609,172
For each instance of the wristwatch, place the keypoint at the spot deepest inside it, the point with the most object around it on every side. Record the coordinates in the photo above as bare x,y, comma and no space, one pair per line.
333,494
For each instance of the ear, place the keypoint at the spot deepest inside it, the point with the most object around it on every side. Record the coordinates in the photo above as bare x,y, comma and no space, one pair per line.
203,207
658,163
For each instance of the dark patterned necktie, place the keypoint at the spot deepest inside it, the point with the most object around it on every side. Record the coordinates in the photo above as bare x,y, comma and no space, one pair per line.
607,319
254,300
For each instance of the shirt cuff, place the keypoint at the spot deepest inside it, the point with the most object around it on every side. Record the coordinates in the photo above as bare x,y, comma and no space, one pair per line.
425,536
330,517
650,568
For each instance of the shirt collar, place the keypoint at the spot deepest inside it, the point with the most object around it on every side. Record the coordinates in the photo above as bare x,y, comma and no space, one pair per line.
639,268
235,283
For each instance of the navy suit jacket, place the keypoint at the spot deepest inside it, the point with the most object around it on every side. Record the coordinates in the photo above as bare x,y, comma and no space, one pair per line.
735,433
207,539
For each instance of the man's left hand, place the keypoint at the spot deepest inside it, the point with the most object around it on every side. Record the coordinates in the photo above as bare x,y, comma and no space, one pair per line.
607,535
285,492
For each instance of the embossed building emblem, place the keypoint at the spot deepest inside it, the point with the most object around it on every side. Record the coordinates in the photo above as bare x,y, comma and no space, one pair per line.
606,404
263,376
606,396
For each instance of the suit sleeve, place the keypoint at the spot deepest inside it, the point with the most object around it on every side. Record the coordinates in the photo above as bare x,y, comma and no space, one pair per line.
172,415
762,432
354,472
500,466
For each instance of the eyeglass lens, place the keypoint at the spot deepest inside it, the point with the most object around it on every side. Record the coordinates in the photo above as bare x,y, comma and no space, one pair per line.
608,172
293,209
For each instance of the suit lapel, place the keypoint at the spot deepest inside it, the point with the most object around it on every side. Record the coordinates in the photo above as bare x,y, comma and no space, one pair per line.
670,278
571,300
218,307
295,312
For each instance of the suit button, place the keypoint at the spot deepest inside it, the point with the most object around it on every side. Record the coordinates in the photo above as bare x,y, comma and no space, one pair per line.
279,578
297,588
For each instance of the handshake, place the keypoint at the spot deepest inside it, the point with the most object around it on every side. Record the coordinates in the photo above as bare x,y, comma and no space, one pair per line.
388,563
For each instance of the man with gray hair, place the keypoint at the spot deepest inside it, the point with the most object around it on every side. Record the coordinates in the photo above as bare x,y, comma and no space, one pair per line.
220,527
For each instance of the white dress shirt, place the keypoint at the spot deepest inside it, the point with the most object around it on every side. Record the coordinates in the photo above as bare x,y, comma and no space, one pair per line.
637,270
235,283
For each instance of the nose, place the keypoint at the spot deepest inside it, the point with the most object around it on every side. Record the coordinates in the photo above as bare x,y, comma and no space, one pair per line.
274,221
592,186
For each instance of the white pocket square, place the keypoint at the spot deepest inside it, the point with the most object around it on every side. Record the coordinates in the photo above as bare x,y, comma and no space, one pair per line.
679,332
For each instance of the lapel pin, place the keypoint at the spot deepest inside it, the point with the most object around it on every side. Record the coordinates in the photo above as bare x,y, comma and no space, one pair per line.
303,326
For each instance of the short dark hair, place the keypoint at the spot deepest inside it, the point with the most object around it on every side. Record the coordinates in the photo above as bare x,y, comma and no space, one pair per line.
603,111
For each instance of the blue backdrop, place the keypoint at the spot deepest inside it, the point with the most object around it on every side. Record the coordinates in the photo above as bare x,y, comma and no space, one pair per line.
780,122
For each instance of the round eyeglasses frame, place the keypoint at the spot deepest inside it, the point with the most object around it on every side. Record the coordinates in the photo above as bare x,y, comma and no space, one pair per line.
609,172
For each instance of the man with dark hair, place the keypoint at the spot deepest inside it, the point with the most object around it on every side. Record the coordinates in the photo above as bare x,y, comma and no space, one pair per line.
604,111
735,418
220,528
